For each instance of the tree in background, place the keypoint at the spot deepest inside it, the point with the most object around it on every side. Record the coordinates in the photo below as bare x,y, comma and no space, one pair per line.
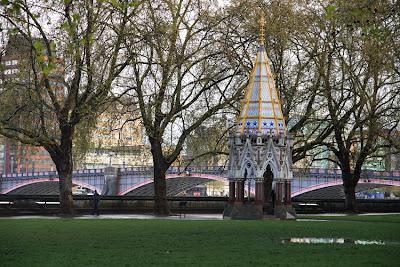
292,50
181,76
185,64
207,145
74,54
360,82
337,70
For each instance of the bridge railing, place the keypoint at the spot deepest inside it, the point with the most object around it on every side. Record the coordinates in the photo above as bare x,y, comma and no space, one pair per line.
47,174
333,173
136,175
222,170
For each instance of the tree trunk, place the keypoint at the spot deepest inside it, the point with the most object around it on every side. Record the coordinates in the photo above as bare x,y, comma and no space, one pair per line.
349,185
66,200
64,169
160,192
62,158
160,185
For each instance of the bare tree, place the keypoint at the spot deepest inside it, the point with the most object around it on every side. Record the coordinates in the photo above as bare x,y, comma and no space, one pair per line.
360,85
181,75
337,71
292,50
207,145
74,53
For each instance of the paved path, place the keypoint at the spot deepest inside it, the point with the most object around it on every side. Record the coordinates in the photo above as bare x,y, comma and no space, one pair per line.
192,217
189,217
346,214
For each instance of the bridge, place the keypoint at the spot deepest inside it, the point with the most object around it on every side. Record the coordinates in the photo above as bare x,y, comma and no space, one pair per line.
138,181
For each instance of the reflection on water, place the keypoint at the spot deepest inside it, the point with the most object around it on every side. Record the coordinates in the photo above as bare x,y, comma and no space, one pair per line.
312,220
314,240
369,242
317,240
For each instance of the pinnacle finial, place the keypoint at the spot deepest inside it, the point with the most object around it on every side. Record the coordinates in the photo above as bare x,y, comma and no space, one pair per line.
262,30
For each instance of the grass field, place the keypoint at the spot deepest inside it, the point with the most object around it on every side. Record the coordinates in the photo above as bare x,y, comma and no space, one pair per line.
360,218
72,242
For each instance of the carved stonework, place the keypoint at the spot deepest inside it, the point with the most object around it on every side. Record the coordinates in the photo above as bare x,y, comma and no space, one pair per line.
260,148
250,159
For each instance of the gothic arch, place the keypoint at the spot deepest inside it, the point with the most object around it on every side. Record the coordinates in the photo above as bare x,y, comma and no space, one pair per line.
248,166
273,165
268,171
247,152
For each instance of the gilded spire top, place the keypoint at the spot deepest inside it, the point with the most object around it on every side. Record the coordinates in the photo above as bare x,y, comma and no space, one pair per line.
262,30
261,111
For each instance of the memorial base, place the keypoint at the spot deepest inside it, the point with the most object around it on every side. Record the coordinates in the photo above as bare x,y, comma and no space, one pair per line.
285,212
252,211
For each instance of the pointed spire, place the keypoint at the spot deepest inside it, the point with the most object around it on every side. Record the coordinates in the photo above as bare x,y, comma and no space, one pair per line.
262,30
261,111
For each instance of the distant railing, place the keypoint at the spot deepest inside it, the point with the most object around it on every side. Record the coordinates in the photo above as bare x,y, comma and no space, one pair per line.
222,170
50,173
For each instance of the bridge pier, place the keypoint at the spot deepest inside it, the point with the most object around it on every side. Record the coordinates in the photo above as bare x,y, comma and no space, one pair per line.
112,181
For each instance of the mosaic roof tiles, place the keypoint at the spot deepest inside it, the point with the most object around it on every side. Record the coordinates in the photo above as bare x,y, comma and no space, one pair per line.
261,109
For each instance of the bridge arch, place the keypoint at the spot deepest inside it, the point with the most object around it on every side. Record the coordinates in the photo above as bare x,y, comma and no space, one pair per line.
208,177
380,182
42,180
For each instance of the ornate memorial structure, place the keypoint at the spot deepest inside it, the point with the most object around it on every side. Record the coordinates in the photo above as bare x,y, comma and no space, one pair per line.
260,149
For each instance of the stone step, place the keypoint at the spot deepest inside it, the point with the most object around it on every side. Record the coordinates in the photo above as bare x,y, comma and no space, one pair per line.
251,211
247,212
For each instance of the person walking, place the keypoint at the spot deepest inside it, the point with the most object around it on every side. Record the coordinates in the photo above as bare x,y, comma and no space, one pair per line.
96,200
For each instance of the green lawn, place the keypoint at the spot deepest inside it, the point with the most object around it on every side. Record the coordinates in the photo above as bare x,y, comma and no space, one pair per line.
71,242
361,218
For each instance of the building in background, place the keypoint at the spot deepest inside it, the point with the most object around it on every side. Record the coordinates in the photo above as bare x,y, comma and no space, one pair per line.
392,158
206,146
2,154
117,141
392,162
16,157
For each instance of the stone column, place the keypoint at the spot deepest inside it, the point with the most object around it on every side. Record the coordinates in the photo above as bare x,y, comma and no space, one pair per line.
278,192
231,191
239,191
260,191
288,192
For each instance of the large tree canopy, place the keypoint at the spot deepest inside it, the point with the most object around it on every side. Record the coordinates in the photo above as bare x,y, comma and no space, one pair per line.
72,53
361,85
181,75
185,63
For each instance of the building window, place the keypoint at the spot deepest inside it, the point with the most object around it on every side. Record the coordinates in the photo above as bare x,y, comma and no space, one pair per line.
11,71
11,62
